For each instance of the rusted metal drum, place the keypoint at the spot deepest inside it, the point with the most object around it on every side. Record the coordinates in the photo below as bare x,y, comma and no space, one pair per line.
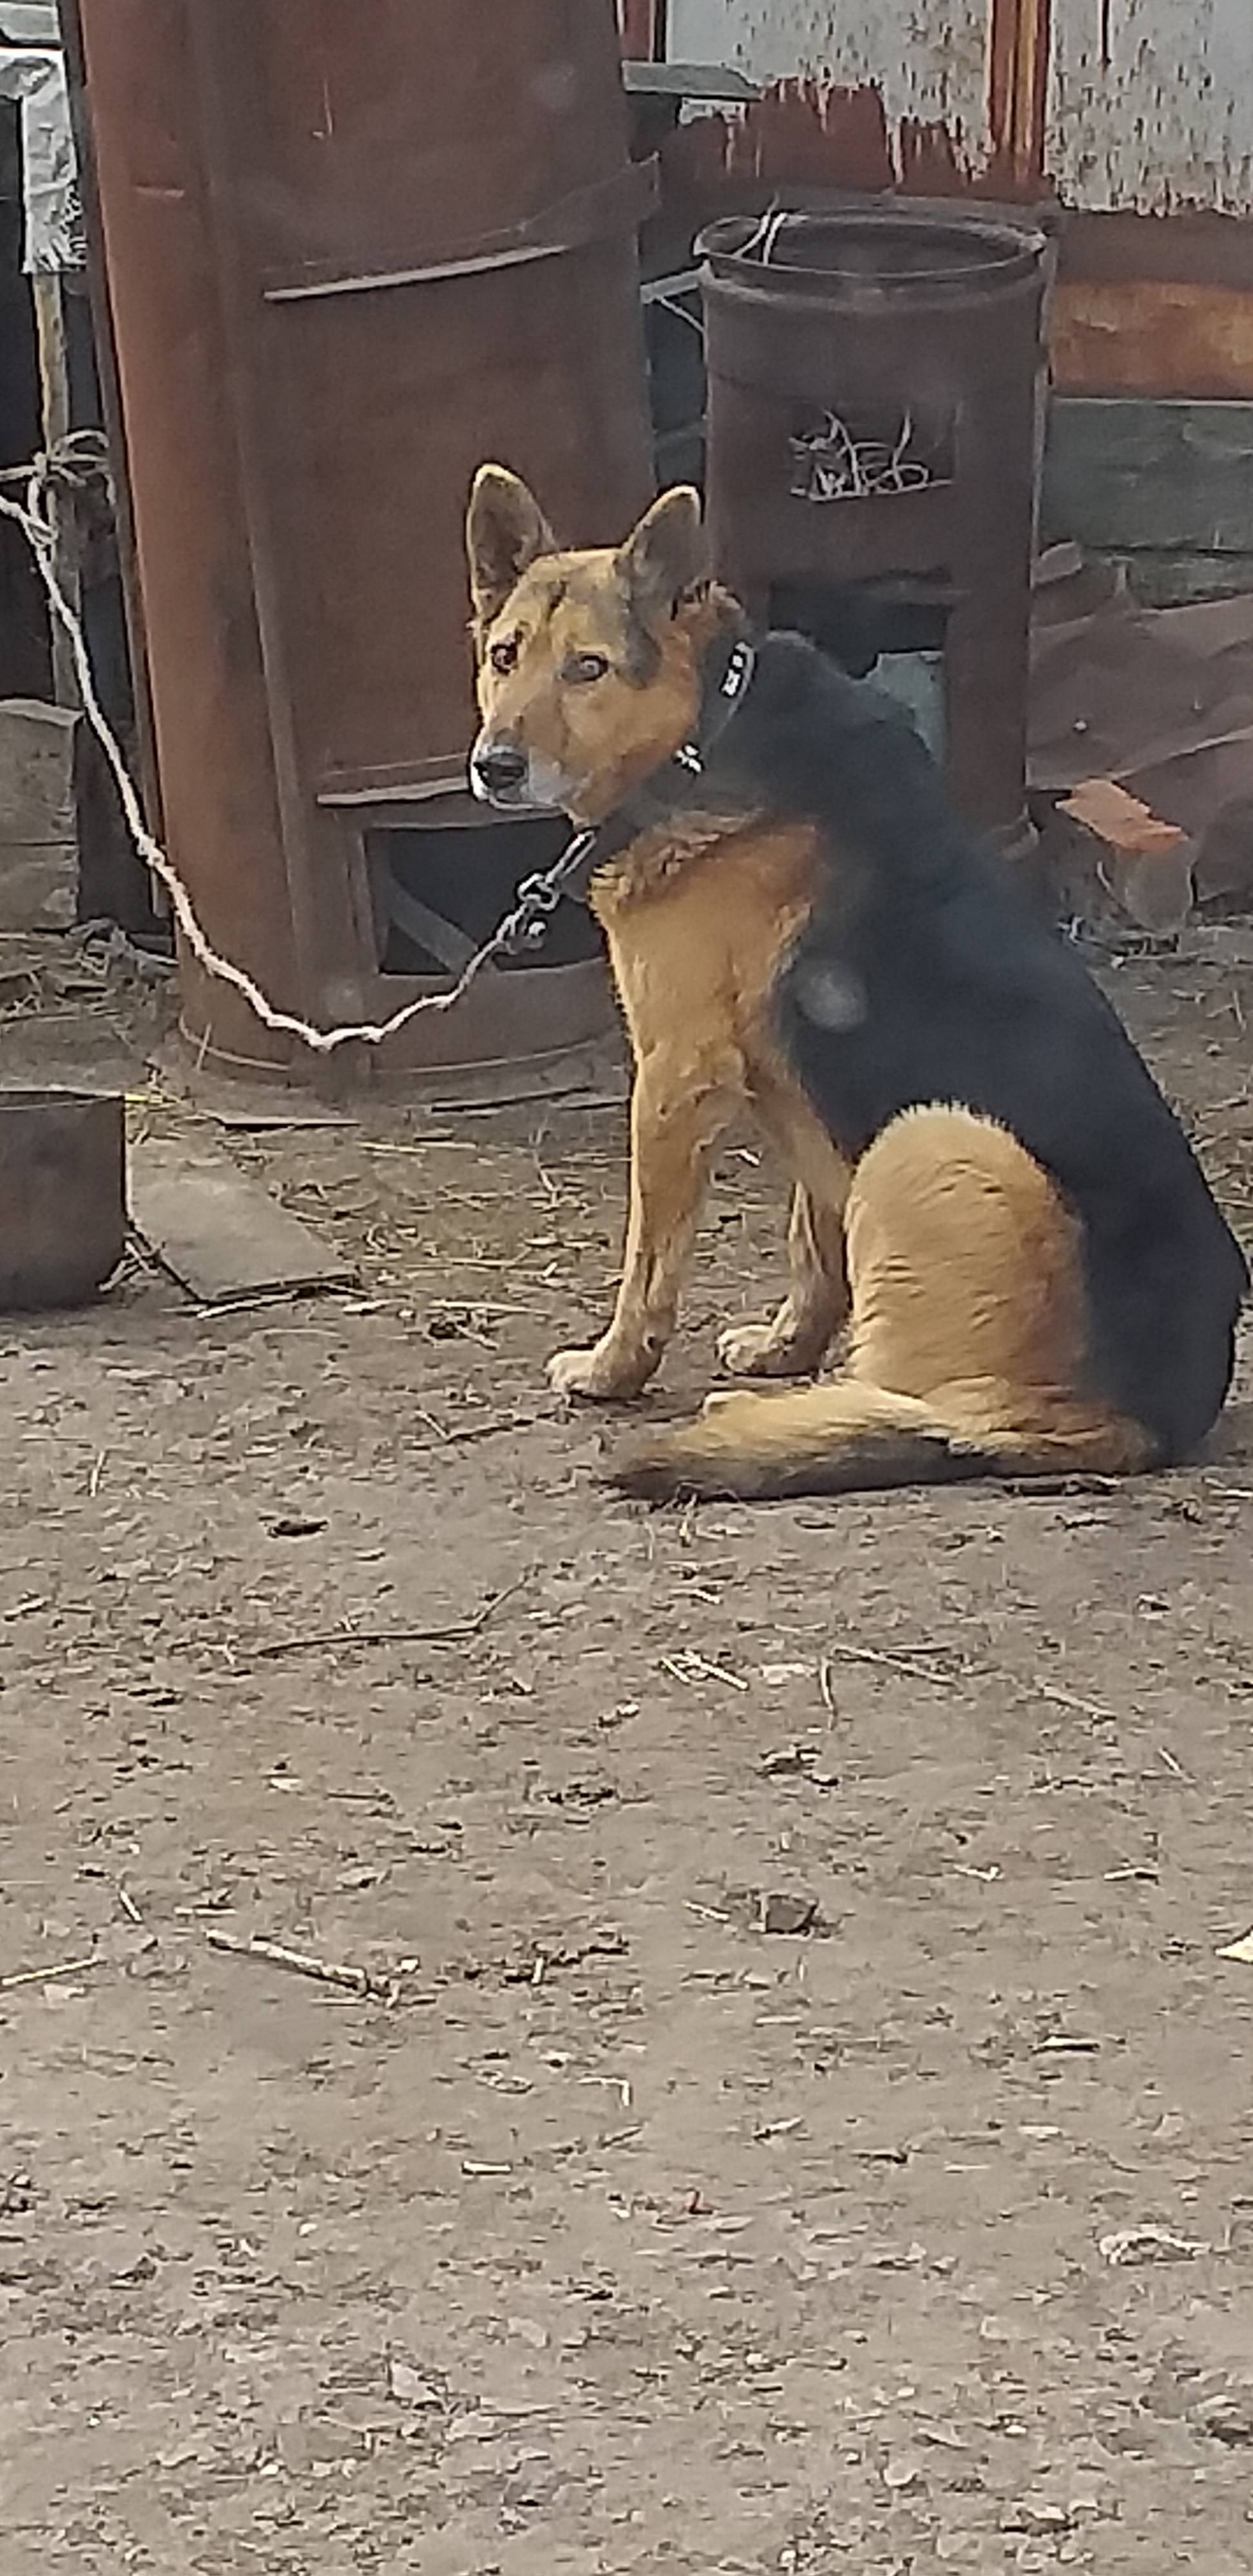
62,1196
874,391
353,252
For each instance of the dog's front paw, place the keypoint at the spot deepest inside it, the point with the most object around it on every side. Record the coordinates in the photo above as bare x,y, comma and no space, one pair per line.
744,1350
602,1375
761,1350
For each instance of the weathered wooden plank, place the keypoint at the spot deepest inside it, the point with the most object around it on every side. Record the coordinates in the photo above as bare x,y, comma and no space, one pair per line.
1175,580
219,1233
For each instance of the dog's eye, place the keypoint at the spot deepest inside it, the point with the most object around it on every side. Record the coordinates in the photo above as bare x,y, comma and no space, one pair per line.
586,666
503,657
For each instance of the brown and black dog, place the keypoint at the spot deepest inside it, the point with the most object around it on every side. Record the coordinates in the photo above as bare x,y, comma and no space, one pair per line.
989,1189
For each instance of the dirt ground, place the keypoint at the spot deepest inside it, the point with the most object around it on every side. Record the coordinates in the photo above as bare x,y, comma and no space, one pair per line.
794,2117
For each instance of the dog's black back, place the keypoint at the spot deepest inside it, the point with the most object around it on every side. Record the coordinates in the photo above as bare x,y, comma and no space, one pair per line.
924,976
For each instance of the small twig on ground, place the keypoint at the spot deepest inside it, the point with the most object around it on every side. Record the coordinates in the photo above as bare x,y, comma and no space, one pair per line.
450,1435
1059,1488
1058,1698
459,1634
689,1666
903,1664
325,1972
826,1685
44,1976
942,1680
439,1429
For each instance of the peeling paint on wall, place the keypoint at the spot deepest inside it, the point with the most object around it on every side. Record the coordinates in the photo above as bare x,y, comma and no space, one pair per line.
1150,101
1153,108
926,58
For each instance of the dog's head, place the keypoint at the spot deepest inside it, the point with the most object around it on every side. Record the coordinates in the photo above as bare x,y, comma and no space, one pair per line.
589,664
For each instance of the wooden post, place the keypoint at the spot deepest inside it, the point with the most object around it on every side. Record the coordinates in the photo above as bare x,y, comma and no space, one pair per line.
54,384
1019,51
643,24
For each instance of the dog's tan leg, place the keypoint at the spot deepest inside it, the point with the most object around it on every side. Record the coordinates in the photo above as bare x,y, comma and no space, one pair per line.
678,1112
796,1340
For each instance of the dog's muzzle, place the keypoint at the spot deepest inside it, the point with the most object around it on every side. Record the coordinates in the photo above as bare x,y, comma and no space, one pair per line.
503,774
499,773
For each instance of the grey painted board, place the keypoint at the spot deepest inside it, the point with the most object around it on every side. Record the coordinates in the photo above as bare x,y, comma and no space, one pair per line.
1123,475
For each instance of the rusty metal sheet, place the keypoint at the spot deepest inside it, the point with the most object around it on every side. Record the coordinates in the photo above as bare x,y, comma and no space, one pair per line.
1156,308
351,253
1160,701
1152,336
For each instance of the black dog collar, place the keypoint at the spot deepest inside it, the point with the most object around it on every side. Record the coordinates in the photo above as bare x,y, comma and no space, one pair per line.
728,675
726,681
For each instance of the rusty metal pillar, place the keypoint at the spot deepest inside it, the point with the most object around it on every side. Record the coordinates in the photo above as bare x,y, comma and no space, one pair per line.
351,253
210,702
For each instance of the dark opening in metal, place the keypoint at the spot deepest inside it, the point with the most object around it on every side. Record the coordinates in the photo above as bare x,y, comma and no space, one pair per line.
440,890
890,629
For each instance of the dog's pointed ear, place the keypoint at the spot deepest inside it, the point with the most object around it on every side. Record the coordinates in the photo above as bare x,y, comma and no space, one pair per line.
506,530
667,557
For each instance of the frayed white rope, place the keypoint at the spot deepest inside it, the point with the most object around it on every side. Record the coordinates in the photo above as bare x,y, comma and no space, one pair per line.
41,535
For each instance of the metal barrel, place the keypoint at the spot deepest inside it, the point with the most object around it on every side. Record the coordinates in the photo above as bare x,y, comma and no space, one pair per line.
874,406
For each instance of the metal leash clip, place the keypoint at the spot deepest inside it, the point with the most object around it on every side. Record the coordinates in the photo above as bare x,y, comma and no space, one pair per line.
538,899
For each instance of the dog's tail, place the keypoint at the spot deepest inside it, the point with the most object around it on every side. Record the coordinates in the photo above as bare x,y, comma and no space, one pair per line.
846,1437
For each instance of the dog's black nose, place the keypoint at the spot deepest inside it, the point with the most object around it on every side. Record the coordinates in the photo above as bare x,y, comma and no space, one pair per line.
499,768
